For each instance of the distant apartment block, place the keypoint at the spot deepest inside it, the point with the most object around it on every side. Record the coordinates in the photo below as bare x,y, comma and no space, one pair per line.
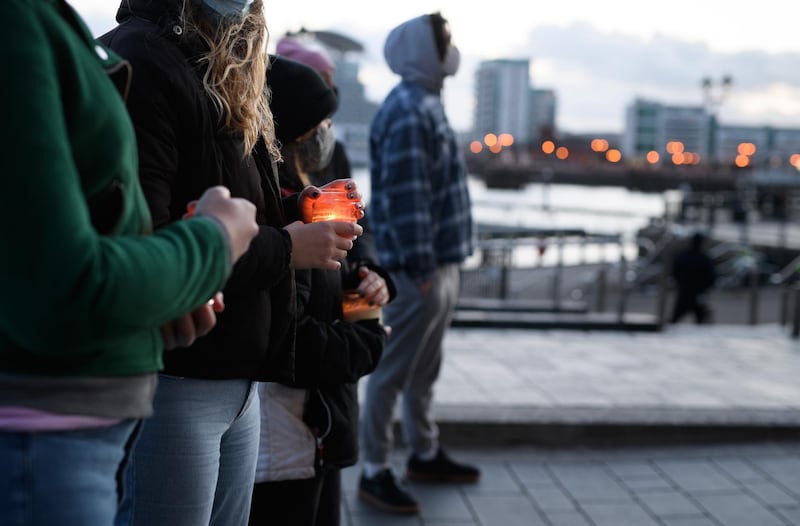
728,138
650,126
774,146
543,113
506,103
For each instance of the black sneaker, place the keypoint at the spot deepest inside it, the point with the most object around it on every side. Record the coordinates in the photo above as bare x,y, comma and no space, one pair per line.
387,493
440,468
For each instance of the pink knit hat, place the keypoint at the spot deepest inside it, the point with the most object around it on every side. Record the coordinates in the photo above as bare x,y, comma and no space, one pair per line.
315,57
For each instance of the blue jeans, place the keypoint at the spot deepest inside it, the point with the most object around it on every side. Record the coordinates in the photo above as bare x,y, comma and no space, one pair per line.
194,461
68,478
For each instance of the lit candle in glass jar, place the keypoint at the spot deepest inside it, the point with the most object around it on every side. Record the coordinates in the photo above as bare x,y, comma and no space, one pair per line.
333,204
355,307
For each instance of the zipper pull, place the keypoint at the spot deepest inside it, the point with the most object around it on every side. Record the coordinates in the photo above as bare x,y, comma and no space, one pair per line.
320,452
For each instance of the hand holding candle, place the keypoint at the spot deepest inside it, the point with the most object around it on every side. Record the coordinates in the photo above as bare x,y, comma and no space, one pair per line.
338,200
366,301
356,307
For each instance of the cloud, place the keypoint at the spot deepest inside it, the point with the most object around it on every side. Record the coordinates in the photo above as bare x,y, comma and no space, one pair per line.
99,22
596,74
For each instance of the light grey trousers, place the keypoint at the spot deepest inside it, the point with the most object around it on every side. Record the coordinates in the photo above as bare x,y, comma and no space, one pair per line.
409,366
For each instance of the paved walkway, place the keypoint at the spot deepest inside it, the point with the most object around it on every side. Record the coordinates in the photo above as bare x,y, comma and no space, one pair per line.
686,374
741,485
723,377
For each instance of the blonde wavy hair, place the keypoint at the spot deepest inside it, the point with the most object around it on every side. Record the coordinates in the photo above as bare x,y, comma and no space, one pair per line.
235,72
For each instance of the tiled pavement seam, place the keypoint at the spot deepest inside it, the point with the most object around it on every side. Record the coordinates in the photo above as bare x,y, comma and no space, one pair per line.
697,378
722,375
712,485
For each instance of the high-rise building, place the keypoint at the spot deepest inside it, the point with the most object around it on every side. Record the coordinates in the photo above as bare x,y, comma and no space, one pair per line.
543,114
503,99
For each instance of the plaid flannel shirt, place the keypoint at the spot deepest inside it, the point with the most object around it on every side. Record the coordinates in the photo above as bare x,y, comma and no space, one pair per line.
420,210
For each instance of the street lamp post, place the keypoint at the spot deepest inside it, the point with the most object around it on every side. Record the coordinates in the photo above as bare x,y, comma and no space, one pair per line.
714,94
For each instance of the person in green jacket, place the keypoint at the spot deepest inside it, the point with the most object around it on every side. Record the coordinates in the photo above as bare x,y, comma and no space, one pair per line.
91,295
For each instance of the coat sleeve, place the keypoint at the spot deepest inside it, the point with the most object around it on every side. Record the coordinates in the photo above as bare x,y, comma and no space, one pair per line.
265,263
332,352
63,283
338,352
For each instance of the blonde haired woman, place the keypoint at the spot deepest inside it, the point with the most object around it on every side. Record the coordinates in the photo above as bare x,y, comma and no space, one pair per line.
200,110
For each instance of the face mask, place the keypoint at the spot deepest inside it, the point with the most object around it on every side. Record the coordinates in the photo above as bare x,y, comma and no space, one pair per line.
316,152
228,8
452,59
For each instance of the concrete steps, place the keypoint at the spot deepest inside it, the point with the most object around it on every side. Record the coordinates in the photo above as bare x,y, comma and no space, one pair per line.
530,319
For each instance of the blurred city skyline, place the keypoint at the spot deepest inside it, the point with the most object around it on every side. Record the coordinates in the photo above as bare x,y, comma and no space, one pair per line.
597,57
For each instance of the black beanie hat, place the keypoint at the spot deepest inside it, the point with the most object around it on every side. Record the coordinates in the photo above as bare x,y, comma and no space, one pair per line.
300,98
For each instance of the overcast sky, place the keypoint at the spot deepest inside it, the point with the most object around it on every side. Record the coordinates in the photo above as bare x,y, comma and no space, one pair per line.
597,56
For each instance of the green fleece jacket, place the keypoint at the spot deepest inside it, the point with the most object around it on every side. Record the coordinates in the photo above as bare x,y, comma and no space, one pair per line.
85,284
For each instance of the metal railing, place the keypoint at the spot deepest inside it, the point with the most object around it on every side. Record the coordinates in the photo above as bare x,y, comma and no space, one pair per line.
788,278
566,281
561,282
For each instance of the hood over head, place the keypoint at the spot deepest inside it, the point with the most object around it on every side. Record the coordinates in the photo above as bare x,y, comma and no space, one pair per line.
410,51
148,9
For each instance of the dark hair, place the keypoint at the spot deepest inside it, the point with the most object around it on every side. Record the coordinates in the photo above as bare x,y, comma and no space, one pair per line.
697,240
442,41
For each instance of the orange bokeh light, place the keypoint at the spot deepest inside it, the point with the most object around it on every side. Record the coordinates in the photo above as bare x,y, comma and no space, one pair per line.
677,158
548,147
692,158
675,147
613,155
495,148
794,160
746,148
742,161
506,139
562,152
475,147
599,145
653,157
490,139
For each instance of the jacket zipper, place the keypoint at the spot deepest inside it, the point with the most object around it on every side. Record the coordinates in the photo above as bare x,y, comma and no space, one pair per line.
320,438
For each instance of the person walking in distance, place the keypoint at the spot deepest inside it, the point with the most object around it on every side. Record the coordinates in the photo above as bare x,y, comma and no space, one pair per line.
422,223
694,274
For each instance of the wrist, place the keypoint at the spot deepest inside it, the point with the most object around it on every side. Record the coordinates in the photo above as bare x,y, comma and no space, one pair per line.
287,246
226,239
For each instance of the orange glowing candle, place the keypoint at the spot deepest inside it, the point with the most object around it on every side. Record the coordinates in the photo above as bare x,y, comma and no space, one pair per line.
334,204
355,307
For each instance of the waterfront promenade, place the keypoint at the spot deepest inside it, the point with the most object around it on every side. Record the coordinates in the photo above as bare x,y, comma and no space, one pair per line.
720,375
690,426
